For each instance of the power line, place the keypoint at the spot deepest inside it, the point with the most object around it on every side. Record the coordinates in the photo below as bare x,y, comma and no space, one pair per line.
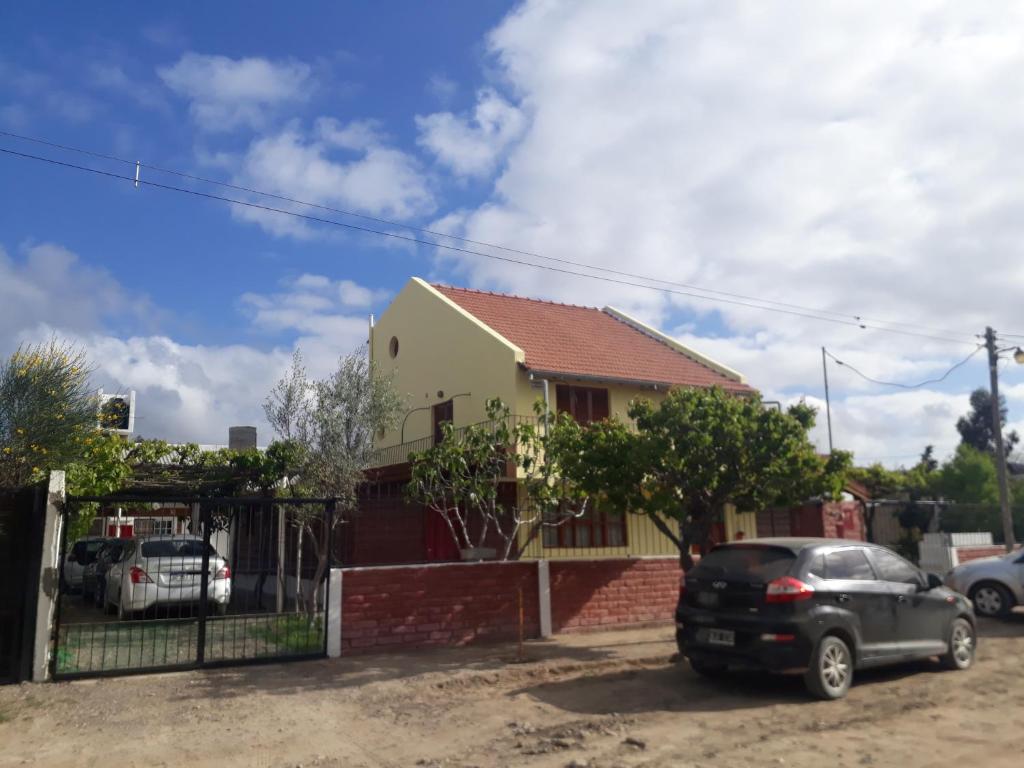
858,319
905,386
469,251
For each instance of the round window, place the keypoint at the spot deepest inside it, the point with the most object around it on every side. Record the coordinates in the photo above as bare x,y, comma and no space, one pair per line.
393,346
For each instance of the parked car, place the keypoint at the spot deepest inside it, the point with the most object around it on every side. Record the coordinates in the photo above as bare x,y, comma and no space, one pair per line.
82,553
822,606
94,577
166,571
994,584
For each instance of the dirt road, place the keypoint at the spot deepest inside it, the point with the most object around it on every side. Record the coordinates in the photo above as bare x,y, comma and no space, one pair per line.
597,701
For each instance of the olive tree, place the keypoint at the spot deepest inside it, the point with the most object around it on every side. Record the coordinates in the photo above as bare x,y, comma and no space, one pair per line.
328,426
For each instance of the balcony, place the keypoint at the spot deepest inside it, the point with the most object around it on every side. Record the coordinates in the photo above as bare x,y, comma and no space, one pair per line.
399,454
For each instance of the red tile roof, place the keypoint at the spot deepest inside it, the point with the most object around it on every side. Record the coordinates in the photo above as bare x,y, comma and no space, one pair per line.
567,339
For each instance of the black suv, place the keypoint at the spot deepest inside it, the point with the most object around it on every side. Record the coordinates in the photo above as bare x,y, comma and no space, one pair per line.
821,606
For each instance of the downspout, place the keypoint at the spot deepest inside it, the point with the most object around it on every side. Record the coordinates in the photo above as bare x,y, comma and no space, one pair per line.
547,401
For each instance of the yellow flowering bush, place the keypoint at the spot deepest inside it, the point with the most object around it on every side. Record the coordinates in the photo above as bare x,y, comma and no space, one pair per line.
46,402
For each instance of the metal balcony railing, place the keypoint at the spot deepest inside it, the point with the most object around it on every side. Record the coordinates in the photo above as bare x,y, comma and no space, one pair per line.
399,454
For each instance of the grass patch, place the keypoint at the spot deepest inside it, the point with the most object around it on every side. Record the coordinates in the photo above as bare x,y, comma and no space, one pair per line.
293,633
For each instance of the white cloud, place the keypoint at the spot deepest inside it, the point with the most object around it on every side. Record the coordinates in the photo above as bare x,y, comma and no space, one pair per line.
472,146
227,93
319,309
892,429
858,159
378,180
185,392
48,284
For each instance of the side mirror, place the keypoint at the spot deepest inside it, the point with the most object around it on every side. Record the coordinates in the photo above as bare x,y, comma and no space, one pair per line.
72,558
934,581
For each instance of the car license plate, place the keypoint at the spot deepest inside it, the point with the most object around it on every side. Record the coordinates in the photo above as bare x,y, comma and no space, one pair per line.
707,599
180,578
718,636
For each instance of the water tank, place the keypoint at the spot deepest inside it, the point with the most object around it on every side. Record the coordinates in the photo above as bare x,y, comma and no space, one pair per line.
242,438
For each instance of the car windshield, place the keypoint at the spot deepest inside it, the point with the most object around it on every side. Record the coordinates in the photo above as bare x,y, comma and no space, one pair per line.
748,562
175,548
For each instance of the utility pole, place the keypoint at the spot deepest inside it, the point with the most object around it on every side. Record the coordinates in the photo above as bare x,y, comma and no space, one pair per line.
828,405
997,432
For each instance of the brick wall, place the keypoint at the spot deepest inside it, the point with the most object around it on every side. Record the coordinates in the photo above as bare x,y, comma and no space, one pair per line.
452,604
601,594
966,554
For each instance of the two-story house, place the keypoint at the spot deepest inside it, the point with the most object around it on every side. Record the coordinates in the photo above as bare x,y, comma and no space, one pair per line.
450,349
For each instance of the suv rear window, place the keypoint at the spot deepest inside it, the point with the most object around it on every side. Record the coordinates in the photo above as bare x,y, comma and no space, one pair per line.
175,548
845,564
748,562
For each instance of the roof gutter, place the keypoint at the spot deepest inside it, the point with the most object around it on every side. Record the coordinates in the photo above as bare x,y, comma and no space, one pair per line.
563,376
643,383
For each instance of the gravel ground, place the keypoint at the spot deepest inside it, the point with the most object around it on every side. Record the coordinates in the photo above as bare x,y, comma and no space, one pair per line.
595,701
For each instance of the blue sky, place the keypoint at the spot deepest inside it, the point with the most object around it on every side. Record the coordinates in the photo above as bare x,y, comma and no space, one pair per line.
859,161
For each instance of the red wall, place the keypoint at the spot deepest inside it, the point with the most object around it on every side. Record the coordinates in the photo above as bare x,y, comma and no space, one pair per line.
966,554
455,604
436,605
599,594
832,519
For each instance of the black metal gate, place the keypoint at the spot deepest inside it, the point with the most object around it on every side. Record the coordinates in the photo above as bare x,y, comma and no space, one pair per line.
21,533
179,583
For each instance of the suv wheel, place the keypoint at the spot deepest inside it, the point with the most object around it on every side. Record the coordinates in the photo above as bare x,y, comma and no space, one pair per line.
962,646
991,599
831,671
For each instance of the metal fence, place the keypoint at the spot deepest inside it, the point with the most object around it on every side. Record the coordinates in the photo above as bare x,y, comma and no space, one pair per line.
246,582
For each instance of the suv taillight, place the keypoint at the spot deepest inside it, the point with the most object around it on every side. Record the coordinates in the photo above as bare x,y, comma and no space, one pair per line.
139,576
787,590
682,587
223,573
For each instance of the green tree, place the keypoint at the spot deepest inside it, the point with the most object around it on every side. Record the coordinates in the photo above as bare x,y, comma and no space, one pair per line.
694,454
460,478
969,477
47,409
975,427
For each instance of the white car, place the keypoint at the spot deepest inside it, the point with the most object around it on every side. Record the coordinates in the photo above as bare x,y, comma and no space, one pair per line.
166,571
994,584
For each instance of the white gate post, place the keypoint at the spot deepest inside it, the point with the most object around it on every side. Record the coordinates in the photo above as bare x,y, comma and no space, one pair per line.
334,614
49,579
544,597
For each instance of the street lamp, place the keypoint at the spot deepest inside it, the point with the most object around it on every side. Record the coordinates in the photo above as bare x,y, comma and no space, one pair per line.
997,430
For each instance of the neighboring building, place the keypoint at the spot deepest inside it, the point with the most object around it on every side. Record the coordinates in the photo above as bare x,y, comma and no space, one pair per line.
449,350
842,519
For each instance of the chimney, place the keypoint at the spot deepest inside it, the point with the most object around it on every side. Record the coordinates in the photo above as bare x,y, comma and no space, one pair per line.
242,438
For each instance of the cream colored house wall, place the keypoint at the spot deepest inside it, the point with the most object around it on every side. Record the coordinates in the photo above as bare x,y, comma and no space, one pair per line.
643,539
441,347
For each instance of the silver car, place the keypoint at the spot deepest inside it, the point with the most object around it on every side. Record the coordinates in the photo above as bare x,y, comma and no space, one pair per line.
166,571
994,584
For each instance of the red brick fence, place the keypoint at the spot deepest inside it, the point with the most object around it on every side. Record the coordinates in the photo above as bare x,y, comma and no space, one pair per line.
459,603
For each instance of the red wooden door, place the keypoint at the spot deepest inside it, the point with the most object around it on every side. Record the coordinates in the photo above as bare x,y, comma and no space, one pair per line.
438,544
